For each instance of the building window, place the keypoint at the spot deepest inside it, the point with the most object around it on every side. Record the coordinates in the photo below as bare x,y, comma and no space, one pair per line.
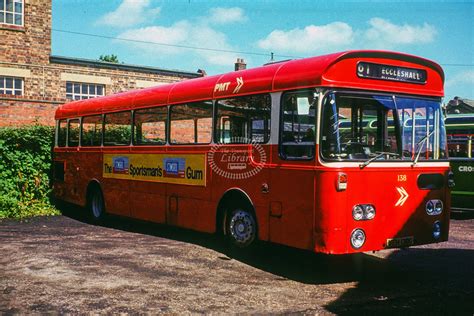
11,12
81,91
11,85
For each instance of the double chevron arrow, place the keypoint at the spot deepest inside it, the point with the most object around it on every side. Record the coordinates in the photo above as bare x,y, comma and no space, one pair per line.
240,83
403,196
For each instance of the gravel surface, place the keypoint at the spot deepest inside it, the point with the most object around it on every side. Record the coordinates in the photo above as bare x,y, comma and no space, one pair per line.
65,265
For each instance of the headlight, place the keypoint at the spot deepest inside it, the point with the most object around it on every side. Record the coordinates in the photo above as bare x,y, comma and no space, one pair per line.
369,211
437,230
434,207
357,238
429,208
357,212
363,212
438,207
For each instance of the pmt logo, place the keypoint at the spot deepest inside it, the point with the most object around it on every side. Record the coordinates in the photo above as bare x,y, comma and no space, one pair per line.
245,159
224,86
466,169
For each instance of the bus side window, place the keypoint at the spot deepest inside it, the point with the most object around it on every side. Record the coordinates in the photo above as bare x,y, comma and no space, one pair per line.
91,130
150,126
117,129
73,133
243,119
191,123
297,127
62,132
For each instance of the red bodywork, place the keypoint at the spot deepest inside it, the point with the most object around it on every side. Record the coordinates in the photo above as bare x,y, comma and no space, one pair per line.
302,206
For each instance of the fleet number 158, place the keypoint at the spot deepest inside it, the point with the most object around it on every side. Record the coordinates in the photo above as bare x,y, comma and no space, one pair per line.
402,177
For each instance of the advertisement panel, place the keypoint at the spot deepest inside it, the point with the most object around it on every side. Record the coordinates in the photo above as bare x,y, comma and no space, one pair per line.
187,169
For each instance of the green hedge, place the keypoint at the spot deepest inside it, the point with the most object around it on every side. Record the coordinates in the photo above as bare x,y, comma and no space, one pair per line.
25,169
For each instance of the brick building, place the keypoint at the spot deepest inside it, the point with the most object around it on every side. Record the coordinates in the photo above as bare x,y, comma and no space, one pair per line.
33,83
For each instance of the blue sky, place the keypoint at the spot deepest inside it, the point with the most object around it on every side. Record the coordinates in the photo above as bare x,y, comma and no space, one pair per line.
439,30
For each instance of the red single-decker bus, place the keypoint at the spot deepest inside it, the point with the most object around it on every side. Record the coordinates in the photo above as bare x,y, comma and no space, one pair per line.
336,154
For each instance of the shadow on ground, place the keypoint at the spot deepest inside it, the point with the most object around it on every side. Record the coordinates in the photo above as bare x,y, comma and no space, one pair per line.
288,263
423,280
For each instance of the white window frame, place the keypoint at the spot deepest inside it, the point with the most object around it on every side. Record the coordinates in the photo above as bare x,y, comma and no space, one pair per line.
3,13
81,95
4,89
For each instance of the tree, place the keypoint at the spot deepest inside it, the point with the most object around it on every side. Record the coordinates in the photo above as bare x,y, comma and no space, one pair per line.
109,58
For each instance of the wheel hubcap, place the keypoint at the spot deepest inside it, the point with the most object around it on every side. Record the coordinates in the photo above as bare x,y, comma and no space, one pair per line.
242,227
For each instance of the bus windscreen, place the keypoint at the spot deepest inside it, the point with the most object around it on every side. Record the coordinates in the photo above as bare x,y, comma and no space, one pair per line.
361,127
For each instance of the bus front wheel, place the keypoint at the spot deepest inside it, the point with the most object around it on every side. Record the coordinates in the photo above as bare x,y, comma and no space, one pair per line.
97,205
241,228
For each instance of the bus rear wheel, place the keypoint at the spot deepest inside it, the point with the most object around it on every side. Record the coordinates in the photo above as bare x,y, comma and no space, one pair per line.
96,205
241,228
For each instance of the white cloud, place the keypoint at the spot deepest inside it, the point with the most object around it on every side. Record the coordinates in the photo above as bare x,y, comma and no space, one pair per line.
465,77
311,39
227,15
129,13
383,33
198,32
183,33
173,35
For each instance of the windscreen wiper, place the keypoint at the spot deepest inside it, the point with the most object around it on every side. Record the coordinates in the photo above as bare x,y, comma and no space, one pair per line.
377,156
420,143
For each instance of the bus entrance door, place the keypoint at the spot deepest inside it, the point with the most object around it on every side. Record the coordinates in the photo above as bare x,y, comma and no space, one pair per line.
292,180
291,206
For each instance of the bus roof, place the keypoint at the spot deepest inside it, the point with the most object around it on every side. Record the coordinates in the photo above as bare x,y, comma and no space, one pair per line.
333,70
456,120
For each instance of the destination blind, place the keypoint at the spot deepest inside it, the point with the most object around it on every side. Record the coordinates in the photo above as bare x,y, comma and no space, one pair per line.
393,73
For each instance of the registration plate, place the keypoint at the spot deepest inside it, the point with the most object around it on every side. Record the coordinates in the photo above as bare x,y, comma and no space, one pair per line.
400,242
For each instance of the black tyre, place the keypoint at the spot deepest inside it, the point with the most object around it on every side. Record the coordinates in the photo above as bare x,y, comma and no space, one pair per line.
241,227
96,205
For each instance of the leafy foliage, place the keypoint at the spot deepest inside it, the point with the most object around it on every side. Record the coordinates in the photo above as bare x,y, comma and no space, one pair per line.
109,58
25,168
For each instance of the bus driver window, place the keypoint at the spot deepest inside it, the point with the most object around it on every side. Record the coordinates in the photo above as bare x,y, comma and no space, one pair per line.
297,130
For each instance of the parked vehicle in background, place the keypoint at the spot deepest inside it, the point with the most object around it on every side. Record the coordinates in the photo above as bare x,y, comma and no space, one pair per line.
460,134
282,153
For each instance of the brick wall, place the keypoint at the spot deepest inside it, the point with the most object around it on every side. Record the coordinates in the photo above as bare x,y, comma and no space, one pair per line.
119,80
14,113
46,86
25,53
30,43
